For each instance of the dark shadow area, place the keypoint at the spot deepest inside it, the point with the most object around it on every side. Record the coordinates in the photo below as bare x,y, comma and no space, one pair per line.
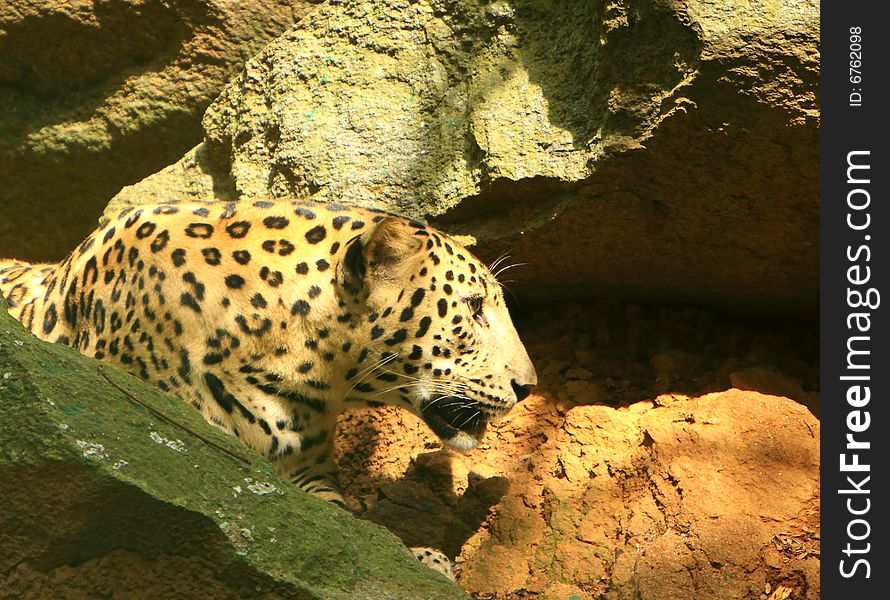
76,539
53,54
617,354
599,65
63,71
421,507
100,100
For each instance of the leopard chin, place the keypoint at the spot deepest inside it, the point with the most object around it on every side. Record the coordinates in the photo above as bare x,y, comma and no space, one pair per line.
458,425
462,441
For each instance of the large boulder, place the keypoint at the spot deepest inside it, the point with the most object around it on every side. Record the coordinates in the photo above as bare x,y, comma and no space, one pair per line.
622,149
98,95
677,498
710,497
112,488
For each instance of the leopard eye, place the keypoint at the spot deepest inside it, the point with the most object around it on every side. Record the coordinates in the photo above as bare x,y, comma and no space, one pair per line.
475,304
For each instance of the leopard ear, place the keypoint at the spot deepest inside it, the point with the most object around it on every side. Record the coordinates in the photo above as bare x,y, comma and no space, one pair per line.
380,252
390,243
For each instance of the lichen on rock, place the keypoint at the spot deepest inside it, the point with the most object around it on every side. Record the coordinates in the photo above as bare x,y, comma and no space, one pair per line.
662,131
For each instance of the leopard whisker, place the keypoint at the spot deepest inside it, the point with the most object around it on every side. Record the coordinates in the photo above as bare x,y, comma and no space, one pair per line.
510,266
363,375
498,261
476,413
413,384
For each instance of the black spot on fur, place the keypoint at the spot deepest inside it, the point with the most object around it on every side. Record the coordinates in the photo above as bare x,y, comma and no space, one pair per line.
212,256
188,300
50,318
316,234
273,278
234,281
212,358
305,213
199,230
257,301
197,286
178,257
160,241
276,222
417,297
227,401
300,307
316,404
397,337
185,365
99,317
424,326
165,210
131,220
265,325
145,230
242,257
302,268
90,271
238,229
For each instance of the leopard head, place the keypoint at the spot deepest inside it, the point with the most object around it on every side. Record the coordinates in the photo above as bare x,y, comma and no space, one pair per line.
439,337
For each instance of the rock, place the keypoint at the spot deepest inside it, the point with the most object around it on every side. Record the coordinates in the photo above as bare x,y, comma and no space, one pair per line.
98,95
112,488
625,150
707,497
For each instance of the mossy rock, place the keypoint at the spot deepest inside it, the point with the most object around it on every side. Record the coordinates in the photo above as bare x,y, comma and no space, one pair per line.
113,488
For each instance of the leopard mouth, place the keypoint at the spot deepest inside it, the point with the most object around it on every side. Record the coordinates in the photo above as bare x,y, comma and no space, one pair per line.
459,424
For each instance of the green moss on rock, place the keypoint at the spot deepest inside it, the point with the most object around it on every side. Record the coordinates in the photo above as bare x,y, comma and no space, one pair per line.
111,486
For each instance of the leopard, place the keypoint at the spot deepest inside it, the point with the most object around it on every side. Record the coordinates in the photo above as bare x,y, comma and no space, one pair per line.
272,317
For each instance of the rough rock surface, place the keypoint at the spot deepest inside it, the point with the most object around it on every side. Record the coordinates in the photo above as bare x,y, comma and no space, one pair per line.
625,149
98,95
627,475
111,488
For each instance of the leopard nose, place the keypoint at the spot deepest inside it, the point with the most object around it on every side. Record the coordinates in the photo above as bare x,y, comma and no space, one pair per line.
522,390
